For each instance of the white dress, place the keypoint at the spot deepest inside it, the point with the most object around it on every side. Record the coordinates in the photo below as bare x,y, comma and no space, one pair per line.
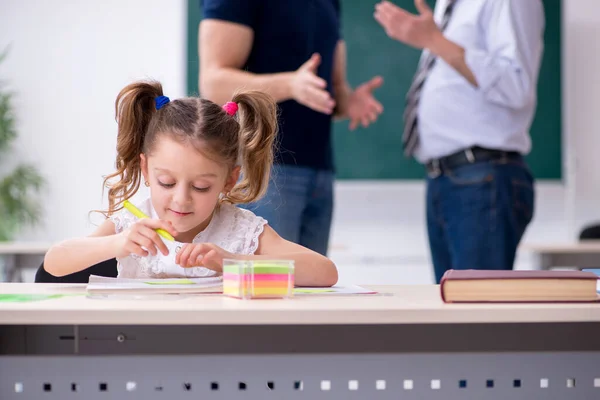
232,228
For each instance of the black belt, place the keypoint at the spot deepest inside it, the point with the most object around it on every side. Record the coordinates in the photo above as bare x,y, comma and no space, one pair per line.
468,156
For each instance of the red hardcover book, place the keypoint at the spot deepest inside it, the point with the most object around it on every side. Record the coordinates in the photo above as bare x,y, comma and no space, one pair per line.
474,286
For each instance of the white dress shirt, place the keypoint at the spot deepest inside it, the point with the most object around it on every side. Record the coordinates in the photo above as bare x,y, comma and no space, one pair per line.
503,42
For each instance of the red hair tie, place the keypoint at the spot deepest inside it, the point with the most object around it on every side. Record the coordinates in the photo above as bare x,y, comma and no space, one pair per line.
230,108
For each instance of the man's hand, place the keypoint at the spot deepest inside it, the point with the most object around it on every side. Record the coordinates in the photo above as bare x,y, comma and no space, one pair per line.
419,31
310,90
363,108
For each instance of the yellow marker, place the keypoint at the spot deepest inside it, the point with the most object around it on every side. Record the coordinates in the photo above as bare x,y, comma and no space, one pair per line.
138,213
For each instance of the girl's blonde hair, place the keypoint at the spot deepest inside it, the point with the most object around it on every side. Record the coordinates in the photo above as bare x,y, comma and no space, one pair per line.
247,137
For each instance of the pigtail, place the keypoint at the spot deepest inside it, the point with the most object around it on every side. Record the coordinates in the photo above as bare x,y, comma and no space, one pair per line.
134,108
257,117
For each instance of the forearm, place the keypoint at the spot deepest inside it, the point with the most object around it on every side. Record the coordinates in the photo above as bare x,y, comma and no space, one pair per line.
341,87
503,80
342,96
311,269
74,255
219,84
454,55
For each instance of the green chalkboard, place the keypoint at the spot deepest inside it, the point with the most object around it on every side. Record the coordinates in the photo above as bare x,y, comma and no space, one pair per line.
376,153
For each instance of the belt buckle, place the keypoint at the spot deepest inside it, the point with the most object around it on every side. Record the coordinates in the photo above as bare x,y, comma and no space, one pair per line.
436,171
470,156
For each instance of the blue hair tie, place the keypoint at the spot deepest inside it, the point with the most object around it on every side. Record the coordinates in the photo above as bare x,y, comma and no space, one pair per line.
161,101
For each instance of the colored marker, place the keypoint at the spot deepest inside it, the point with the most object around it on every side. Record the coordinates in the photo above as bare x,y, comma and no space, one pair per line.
138,213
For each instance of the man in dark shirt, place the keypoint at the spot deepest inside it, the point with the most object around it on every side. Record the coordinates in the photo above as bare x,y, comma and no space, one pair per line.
292,50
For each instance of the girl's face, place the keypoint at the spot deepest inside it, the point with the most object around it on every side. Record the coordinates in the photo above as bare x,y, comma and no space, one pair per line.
185,185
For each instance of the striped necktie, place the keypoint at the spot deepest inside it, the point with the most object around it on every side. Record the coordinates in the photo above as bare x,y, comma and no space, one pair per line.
410,138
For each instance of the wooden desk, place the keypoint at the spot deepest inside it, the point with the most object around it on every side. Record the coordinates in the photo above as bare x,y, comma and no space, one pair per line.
584,254
13,256
401,343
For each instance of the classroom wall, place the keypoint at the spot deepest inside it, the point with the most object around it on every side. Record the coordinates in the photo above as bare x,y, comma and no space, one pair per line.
68,61
581,91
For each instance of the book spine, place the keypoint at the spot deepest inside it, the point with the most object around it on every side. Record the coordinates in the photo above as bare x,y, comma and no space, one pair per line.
442,284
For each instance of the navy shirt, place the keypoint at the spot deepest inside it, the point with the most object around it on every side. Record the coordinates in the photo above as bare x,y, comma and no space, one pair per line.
286,34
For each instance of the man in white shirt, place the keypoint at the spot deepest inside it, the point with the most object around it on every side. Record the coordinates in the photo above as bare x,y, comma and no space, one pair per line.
467,119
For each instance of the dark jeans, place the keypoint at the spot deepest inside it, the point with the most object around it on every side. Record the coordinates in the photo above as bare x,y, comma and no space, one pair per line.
299,205
477,214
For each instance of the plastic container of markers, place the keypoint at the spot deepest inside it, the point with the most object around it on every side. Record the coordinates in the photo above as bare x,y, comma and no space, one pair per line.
258,279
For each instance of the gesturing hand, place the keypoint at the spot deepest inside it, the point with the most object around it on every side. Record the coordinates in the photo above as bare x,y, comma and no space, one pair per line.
310,90
363,107
414,30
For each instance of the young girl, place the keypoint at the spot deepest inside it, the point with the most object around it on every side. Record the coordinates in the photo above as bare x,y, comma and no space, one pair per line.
190,153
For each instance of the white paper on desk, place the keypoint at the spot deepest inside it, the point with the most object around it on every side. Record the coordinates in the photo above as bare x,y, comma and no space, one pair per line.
101,284
166,265
332,291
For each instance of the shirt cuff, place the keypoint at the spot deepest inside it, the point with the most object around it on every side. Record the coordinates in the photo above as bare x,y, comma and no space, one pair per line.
483,68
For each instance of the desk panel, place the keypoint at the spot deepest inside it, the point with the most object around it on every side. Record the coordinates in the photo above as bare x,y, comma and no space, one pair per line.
428,361
551,376
402,344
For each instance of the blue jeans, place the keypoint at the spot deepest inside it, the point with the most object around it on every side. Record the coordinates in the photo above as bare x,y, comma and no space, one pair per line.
299,205
477,214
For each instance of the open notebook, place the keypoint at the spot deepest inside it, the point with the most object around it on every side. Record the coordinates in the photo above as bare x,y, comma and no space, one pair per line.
101,284
104,285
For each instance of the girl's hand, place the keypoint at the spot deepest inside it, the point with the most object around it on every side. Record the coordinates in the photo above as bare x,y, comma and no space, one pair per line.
205,255
143,234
